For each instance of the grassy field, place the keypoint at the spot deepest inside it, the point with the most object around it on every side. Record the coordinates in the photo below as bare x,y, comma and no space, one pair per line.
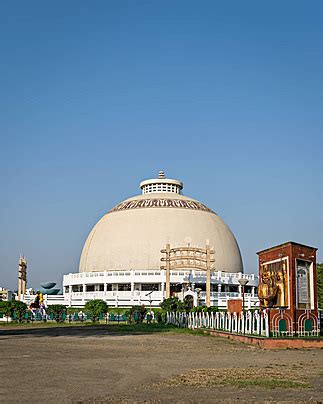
111,327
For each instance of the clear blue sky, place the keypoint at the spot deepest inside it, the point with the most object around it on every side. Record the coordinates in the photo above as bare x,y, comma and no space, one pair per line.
96,96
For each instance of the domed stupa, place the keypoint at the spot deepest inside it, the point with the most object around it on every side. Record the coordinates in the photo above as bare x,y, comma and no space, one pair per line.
155,245
132,234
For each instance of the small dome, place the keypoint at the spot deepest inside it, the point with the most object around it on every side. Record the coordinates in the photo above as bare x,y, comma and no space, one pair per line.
132,234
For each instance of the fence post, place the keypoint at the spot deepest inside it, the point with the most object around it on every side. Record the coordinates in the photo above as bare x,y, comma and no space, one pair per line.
257,317
231,322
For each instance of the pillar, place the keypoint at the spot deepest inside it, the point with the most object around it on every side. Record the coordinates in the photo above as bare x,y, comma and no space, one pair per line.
208,276
167,271
84,291
22,276
163,288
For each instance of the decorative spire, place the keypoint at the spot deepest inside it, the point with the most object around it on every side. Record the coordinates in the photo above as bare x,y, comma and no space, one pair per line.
161,185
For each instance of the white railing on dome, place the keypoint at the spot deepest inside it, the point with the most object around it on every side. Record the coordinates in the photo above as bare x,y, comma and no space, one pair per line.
216,275
248,323
116,298
128,294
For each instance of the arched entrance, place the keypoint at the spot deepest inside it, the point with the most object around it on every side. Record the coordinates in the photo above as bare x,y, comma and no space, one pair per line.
189,300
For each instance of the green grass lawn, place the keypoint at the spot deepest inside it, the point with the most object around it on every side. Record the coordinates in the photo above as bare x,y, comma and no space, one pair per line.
112,327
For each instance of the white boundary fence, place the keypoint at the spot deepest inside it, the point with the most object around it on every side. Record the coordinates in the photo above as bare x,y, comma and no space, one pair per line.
249,323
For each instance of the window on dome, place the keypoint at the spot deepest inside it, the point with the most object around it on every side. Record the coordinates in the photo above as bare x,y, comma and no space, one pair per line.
148,287
124,287
77,288
201,286
175,288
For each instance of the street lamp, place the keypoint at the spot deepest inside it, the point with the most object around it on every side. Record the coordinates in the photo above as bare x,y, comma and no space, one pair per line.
149,294
198,291
243,282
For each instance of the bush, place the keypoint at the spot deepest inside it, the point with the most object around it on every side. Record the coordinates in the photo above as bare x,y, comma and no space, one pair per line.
174,304
137,314
57,310
159,317
6,309
95,308
13,308
170,304
18,309
117,310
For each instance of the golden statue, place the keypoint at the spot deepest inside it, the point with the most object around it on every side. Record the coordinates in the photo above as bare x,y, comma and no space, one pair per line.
273,288
282,287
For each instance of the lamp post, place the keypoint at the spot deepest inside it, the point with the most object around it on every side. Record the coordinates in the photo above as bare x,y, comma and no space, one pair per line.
243,282
198,291
149,294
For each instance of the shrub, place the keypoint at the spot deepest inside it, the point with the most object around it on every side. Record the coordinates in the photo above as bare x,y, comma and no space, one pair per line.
95,308
169,305
12,308
6,308
18,309
159,317
137,314
57,310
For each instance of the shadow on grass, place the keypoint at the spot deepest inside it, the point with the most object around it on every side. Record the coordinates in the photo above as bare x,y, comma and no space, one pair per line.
85,330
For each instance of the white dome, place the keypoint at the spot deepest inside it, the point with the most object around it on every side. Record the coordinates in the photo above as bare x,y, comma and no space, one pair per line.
132,234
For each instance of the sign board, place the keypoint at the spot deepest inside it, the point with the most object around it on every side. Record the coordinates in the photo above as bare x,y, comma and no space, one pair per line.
303,284
234,306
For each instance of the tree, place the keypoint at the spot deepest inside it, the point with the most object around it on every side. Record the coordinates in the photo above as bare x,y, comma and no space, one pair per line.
137,313
174,304
95,308
319,271
57,310
169,305
6,308
18,309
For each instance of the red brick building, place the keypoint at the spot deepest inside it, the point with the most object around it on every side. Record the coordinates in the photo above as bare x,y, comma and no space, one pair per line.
288,288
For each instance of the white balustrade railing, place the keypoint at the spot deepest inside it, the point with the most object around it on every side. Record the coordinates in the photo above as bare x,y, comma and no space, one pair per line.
247,323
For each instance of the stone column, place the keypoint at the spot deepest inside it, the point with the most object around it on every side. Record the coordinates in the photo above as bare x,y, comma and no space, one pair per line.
132,286
84,292
22,276
163,289
167,271
208,276
219,288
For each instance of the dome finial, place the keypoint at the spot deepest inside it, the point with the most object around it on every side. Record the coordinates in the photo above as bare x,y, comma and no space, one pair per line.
161,184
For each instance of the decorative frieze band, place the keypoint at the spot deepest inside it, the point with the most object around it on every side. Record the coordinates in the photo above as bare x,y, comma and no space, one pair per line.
161,203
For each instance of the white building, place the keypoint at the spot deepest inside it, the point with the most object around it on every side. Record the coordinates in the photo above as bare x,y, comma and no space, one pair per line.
121,258
6,294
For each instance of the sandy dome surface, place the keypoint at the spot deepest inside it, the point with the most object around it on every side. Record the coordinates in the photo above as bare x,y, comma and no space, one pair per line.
132,234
